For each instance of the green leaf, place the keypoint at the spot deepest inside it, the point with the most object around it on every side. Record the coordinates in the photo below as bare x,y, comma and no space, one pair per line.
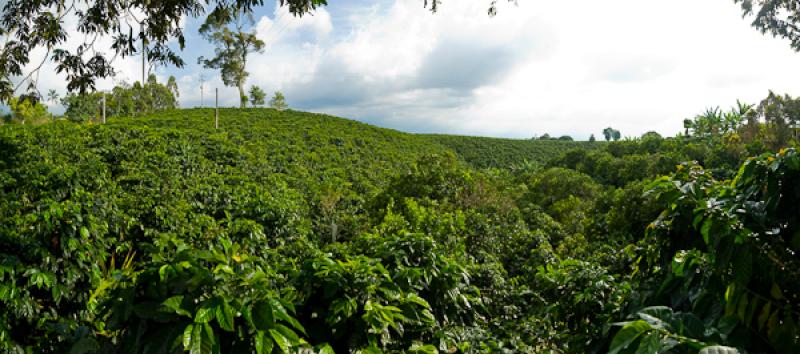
776,292
210,342
225,316
84,232
326,349
281,340
627,335
206,312
263,344
656,316
764,316
187,336
263,316
706,230
288,333
280,313
174,304
650,344
718,349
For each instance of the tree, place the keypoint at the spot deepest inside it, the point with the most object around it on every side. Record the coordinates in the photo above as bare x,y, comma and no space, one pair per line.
616,135
687,125
124,101
780,113
278,101
781,18
257,96
172,85
233,44
52,96
26,110
127,22
607,133
592,138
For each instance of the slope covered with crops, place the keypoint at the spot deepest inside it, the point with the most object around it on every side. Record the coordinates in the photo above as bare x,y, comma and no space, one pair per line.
298,232
483,152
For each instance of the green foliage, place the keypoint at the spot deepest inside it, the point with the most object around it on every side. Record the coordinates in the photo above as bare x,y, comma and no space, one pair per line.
298,232
483,152
611,133
725,251
278,101
123,101
257,96
27,111
777,17
225,29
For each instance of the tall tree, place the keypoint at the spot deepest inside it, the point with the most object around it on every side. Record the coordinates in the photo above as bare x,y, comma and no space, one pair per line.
172,85
233,43
779,114
52,96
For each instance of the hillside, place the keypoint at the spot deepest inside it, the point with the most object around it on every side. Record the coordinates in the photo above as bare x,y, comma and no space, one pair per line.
297,232
483,152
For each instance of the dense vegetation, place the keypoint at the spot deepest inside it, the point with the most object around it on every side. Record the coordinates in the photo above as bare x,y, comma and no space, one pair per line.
285,231
483,152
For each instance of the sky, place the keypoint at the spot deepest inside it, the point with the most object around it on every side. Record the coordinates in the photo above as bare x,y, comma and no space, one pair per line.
556,67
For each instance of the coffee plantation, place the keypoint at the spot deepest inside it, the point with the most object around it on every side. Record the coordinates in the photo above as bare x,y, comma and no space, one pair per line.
286,231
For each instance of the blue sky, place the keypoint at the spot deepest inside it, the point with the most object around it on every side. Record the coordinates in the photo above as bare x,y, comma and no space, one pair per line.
540,67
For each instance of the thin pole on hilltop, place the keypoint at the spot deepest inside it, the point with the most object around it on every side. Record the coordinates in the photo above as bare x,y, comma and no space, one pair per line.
104,107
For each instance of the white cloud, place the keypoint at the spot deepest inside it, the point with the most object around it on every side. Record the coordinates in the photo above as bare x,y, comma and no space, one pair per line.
576,67
541,67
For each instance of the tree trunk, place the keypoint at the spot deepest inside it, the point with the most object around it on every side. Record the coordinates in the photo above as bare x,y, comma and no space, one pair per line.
242,98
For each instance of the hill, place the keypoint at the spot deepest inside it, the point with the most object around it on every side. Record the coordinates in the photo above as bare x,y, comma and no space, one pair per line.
484,152
298,232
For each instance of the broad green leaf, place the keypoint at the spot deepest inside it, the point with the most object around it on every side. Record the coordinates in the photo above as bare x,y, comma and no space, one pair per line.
706,230
627,335
263,316
187,336
288,333
263,343
281,340
225,316
649,344
206,312
174,304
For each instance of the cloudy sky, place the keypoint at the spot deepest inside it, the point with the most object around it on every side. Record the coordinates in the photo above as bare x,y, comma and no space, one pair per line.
557,67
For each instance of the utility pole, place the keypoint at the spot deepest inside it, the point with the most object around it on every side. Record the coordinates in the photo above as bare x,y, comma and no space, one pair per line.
216,108
202,83
104,107
144,57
